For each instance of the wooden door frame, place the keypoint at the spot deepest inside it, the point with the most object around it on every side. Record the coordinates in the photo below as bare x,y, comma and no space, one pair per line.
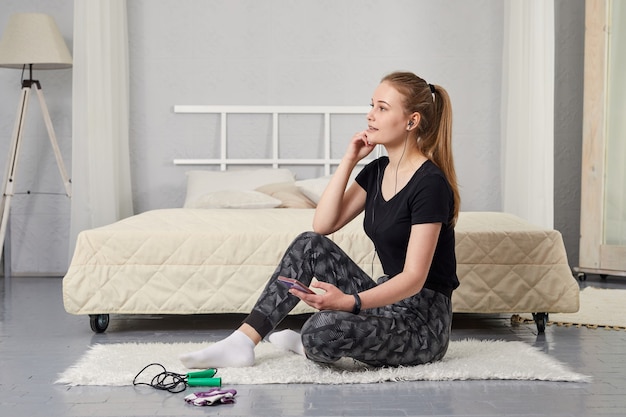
595,256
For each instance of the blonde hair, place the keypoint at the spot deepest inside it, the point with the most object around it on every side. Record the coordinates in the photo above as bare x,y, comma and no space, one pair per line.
434,131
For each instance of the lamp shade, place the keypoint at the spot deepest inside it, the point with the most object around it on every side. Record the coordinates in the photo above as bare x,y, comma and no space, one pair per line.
33,38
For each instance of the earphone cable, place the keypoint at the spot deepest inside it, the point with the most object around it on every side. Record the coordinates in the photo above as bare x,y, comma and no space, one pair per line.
395,190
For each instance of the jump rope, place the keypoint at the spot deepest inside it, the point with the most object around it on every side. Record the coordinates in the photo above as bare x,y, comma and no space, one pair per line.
175,382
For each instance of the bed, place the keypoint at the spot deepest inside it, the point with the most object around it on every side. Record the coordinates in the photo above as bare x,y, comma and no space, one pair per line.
215,254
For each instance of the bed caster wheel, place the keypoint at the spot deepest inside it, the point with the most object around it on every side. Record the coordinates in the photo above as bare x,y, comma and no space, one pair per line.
99,322
582,276
541,320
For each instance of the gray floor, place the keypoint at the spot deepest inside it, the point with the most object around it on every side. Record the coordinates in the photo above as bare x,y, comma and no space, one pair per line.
38,340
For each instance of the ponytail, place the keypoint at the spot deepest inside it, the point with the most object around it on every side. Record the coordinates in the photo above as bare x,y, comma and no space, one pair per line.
434,133
441,151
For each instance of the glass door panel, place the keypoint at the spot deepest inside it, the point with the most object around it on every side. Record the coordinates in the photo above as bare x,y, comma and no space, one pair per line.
615,181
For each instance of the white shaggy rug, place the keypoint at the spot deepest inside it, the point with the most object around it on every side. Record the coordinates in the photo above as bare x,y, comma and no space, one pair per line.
117,364
599,308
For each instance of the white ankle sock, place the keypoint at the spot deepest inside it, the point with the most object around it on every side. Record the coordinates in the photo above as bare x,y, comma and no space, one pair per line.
288,340
237,350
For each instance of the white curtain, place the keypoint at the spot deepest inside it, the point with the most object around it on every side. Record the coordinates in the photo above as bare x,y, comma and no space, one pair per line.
101,183
528,110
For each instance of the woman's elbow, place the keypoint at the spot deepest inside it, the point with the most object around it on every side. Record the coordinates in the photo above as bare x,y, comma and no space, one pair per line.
322,229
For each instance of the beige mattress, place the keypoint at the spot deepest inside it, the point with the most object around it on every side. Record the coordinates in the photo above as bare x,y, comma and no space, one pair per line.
185,261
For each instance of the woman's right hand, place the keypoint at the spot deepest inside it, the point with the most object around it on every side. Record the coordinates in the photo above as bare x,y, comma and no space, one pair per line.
359,147
339,205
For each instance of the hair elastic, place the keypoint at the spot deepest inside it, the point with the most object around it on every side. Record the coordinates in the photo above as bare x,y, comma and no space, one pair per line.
432,88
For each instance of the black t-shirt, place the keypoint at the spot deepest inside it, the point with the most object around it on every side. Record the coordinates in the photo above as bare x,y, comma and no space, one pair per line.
427,198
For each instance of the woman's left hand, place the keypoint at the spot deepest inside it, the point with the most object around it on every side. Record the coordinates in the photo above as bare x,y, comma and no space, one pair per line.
331,299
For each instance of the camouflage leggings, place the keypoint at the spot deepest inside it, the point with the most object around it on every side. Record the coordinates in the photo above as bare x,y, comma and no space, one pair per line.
412,331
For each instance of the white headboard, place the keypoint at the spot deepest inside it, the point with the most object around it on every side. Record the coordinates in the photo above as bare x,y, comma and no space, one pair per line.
275,111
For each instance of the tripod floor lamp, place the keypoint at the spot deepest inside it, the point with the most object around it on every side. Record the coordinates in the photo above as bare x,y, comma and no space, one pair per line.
30,41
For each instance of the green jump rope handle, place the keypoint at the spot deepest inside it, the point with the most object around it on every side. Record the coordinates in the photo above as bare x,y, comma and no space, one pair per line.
207,373
204,382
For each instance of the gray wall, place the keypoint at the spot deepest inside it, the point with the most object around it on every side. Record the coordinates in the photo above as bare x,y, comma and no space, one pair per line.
307,53
281,52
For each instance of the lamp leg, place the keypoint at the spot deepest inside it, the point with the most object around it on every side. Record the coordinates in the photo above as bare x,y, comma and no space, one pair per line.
9,179
53,142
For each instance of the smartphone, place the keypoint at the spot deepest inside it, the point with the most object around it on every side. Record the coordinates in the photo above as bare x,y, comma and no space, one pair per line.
294,283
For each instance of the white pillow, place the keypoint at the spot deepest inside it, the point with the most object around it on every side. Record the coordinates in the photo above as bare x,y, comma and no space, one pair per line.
288,193
239,199
200,183
313,188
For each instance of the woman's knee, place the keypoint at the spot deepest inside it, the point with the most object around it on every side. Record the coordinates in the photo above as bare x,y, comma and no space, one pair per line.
320,333
309,242
309,235
310,328
324,326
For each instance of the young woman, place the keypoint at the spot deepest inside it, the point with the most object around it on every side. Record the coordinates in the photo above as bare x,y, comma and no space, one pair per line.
411,204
